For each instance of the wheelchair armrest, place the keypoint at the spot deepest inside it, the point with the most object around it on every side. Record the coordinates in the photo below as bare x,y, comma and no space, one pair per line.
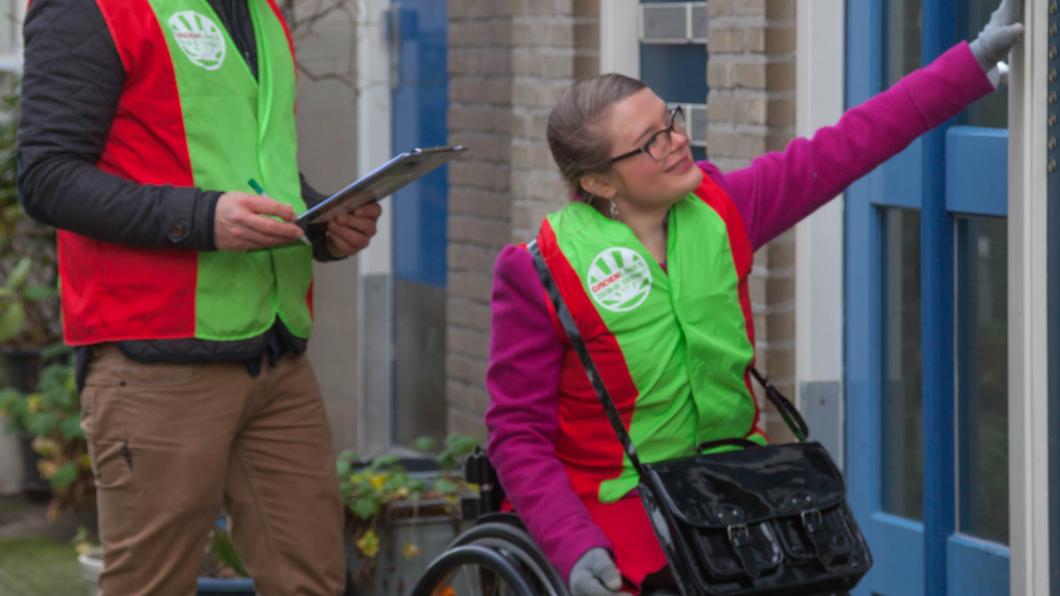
478,470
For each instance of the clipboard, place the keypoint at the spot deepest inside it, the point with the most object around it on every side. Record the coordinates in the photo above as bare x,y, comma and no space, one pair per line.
380,183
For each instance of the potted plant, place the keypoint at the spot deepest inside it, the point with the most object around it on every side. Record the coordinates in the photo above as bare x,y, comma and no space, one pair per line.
221,573
401,513
29,306
49,417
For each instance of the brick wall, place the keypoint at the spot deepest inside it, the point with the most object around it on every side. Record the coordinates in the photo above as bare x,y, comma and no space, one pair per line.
508,61
751,110
480,80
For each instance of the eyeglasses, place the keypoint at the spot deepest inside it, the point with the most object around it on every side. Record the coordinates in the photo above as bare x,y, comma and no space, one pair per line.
658,145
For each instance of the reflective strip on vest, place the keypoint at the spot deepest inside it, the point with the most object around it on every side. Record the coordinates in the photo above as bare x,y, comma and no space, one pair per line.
193,115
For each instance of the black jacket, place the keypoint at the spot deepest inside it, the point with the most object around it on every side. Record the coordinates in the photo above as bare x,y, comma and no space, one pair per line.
72,83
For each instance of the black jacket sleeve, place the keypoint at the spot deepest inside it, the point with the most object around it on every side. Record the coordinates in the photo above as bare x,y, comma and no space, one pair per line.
72,82
317,233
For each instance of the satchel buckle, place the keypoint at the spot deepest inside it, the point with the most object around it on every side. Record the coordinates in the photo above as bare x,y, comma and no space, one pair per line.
830,552
743,546
738,534
812,520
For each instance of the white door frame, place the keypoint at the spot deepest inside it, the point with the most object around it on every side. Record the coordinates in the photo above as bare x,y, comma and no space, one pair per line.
1028,300
619,37
375,264
820,77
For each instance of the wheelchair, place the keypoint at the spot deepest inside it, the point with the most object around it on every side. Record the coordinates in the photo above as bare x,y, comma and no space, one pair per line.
494,557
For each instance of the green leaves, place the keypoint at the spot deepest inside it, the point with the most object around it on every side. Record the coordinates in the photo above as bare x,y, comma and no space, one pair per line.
18,274
457,447
64,475
369,489
38,292
365,507
29,309
425,444
224,554
445,487
51,415
12,318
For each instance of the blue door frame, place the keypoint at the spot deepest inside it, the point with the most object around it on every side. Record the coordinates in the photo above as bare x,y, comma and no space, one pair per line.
420,101
925,556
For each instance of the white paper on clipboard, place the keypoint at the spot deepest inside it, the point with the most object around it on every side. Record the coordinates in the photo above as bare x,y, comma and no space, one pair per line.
380,183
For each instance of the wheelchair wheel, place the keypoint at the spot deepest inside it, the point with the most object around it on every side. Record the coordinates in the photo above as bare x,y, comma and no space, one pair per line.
473,570
516,544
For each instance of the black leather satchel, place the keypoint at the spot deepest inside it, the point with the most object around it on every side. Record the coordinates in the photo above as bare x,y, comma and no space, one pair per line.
755,521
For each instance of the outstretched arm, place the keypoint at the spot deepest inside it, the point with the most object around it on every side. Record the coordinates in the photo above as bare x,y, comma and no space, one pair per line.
779,189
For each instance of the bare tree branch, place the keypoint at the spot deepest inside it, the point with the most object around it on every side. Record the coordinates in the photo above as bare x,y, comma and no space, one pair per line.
305,15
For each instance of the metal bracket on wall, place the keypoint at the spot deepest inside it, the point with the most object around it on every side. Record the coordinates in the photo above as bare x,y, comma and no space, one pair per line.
1052,191
673,22
1054,89
1053,194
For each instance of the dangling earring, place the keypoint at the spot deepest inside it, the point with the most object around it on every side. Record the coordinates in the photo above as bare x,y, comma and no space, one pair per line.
614,210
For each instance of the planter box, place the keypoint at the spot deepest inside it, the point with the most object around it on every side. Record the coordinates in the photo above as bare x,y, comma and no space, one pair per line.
207,586
432,529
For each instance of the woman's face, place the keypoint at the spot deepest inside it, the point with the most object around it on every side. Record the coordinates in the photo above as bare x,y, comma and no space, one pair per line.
642,180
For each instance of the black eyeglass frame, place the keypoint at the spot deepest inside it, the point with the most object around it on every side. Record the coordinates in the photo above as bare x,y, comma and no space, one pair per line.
647,144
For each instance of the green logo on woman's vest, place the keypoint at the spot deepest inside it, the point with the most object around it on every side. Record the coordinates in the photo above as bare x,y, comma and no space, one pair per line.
619,279
200,38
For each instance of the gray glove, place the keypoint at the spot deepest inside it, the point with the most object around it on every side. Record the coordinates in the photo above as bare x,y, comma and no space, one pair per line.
595,574
999,35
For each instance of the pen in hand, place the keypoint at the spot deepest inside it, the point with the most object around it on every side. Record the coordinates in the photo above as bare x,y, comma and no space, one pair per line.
261,191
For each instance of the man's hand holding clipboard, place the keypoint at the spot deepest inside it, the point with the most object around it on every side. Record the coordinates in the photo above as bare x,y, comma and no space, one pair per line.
349,233
351,213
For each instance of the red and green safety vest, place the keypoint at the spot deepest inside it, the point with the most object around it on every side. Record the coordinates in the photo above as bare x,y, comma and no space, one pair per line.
674,347
192,114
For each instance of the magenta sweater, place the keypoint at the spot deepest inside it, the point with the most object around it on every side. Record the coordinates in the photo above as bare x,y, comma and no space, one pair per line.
772,194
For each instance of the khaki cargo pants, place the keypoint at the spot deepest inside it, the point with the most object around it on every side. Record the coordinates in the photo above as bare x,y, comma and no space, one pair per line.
172,444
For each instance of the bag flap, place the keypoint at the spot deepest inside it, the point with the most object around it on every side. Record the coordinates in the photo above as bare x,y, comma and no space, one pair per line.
747,486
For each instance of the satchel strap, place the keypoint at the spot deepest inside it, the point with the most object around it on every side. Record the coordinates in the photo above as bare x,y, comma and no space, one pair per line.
787,410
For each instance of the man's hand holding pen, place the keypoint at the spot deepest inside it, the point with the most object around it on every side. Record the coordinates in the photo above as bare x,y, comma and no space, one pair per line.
239,223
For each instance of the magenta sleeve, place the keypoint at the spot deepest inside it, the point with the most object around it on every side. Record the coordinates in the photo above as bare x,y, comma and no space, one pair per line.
525,356
780,188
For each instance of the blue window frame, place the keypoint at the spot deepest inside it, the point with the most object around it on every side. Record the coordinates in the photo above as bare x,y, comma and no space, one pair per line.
924,547
673,60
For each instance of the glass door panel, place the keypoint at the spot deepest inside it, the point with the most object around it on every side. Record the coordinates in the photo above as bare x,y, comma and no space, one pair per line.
902,413
982,364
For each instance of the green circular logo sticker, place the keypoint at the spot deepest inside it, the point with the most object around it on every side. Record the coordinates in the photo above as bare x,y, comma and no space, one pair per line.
200,38
619,279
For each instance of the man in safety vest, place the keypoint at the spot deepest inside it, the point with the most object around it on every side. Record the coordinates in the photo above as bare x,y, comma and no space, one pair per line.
189,301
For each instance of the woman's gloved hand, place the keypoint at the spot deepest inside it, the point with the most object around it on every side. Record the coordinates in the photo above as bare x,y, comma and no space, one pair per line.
595,574
1001,32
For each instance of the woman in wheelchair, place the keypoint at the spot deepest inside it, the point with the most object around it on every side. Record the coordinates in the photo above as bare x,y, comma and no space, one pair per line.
652,257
